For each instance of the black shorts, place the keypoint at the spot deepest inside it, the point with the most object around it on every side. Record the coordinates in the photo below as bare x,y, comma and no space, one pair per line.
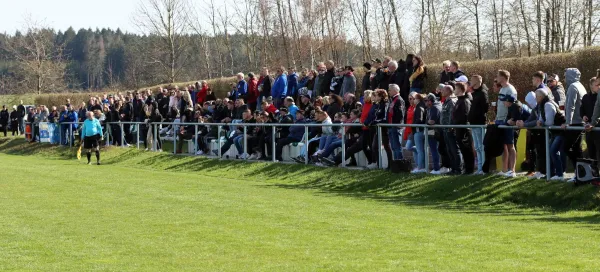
91,142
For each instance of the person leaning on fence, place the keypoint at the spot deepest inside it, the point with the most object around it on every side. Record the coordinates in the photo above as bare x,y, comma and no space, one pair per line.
575,92
594,121
91,134
588,102
516,112
450,133
548,113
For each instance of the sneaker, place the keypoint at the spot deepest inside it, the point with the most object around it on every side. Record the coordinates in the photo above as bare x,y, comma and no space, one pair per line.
299,159
98,163
200,152
372,166
501,173
510,174
146,149
435,172
557,178
415,171
530,174
571,180
89,163
537,175
244,156
319,164
252,157
328,161
444,170
160,150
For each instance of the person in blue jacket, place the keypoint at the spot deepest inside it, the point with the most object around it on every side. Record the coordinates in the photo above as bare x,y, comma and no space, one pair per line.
91,134
280,86
296,134
292,79
241,90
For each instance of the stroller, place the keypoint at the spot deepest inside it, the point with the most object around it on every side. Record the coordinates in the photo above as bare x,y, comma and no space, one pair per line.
587,172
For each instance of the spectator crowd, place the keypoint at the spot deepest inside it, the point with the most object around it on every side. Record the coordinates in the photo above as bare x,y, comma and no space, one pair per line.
392,92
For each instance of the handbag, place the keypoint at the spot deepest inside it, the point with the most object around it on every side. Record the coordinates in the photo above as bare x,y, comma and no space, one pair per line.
401,166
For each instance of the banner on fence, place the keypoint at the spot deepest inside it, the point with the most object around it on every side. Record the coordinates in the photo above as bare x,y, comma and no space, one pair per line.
44,132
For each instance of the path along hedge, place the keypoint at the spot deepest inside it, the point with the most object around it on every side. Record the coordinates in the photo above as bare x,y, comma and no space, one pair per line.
586,60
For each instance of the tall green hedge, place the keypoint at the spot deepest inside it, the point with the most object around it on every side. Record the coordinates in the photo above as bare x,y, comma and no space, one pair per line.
586,60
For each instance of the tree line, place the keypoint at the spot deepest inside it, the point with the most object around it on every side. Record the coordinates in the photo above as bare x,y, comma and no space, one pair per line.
182,40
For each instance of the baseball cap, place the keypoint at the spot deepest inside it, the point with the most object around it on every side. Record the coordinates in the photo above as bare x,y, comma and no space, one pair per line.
508,98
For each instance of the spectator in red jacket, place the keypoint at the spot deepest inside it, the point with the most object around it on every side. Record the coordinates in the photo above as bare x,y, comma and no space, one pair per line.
201,96
252,91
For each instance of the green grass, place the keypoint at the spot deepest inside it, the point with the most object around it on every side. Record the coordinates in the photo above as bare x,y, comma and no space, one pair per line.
157,212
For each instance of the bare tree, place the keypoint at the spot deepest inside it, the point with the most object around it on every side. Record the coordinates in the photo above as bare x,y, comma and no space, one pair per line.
166,20
38,58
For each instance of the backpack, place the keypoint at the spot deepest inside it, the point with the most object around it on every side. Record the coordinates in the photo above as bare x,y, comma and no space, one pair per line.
525,112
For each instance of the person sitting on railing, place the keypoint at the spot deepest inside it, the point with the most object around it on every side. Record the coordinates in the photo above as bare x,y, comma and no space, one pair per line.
336,140
296,133
548,113
185,132
237,137
256,134
205,135
265,143
248,118
516,112
284,118
353,144
327,134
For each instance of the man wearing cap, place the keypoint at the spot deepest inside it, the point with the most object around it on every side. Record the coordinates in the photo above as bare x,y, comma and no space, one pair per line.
514,114
4,117
557,90
291,106
306,106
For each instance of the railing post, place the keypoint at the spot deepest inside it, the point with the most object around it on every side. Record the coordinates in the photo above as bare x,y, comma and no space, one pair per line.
379,140
175,139
306,144
196,139
273,143
343,146
245,143
122,134
71,136
138,135
547,137
155,137
219,141
59,134
108,133
426,150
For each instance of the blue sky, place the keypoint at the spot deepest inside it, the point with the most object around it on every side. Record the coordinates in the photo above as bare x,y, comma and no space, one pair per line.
60,14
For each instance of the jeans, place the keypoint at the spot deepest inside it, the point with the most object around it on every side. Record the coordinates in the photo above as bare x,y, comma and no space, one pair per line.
557,152
238,141
410,146
478,135
419,139
394,136
453,151
329,150
435,155
325,141
305,148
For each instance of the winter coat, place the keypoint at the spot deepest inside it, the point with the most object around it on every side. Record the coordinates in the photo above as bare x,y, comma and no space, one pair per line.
264,85
575,92
326,83
479,106
588,102
461,111
366,82
420,116
280,87
252,96
292,84
349,84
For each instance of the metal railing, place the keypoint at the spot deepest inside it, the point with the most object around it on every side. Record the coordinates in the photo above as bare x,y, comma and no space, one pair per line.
156,126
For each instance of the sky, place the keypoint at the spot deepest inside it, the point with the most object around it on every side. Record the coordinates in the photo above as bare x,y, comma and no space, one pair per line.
61,14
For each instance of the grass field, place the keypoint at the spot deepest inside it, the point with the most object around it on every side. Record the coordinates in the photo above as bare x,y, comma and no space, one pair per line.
156,212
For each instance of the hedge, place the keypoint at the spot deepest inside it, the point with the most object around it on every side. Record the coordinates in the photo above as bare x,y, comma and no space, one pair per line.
521,69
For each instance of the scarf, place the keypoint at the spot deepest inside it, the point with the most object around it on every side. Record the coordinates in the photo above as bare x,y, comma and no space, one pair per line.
417,73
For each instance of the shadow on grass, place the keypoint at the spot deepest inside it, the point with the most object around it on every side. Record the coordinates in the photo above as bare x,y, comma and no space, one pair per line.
529,199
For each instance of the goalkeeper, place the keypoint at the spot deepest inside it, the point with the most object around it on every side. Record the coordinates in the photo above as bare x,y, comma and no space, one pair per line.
91,134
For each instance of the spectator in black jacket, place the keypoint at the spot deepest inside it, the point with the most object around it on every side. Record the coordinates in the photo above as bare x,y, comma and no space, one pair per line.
515,109
325,84
588,102
460,116
21,115
419,74
446,75
478,116
366,81
380,99
14,121
4,118
126,114
395,115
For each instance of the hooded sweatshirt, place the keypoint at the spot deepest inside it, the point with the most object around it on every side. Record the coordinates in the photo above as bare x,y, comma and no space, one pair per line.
575,92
